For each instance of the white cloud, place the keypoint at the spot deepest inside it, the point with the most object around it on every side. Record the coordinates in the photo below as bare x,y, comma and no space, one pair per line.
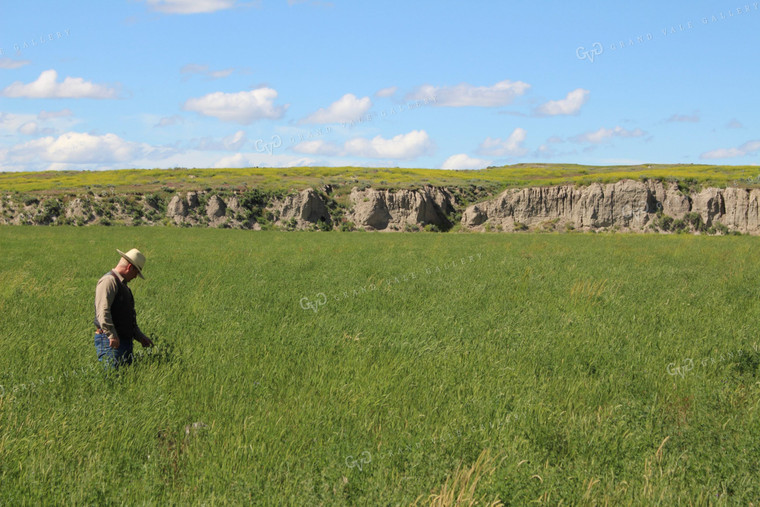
8,63
603,134
462,161
386,92
231,142
463,95
234,141
261,160
218,74
29,128
47,87
571,104
241,107
545,151
76,147
317,147
169,120
683,118
735,124
402,146
47,115
550,149
346,109
203,70
190,6
44,123
302,162
509,147
748,148
236,160
193,68
12,122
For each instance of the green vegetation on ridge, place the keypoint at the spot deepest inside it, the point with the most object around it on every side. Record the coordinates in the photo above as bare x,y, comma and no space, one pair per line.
297,178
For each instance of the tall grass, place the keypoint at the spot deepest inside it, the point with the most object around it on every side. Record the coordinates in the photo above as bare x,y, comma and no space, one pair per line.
564,356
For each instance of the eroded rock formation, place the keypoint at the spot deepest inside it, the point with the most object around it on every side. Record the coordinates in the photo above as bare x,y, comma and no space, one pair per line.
395,210
627,205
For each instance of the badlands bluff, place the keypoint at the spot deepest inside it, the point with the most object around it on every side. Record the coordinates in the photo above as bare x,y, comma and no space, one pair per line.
627,205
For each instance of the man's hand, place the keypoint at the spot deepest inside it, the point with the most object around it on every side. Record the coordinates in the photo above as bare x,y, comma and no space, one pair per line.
113,342
145,341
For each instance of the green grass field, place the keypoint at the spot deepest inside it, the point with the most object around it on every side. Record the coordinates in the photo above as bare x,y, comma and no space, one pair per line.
298,178
384,369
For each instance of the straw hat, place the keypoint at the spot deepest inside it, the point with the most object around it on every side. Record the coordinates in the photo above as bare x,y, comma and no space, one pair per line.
136,258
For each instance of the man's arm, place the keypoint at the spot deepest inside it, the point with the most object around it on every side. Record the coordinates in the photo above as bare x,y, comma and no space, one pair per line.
142,338
105,293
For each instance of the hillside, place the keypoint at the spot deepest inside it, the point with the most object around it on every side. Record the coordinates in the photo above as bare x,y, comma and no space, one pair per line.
700,199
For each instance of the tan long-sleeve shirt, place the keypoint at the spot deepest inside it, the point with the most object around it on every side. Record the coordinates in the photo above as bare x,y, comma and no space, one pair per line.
105,292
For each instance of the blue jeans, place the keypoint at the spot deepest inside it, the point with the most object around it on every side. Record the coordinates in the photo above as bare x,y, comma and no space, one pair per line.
113,358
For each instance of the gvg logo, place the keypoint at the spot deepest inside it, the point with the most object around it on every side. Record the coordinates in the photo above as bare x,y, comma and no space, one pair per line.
308,304
589,54
686,367
364,459
269,147
629,212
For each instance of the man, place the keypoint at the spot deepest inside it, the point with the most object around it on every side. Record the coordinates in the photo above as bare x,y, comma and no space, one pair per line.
115,317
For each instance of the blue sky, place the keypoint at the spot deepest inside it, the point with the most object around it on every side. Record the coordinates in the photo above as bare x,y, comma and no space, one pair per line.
458,85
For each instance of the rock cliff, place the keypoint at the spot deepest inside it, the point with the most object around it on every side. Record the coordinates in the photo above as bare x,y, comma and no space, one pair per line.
303,209
397,210
627,205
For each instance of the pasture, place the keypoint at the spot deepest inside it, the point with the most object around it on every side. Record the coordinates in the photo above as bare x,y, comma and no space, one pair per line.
384,369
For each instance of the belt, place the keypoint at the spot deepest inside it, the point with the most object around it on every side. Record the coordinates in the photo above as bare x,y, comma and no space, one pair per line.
100,331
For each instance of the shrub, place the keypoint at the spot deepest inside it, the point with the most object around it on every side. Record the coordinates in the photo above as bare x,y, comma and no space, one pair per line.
718,228
695,221
51,210
156,201
688,185
347,226
678,225
663,222
519,226
432,228
549,225
322,225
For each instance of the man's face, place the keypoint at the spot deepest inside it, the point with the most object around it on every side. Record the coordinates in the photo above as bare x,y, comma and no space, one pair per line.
131,273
